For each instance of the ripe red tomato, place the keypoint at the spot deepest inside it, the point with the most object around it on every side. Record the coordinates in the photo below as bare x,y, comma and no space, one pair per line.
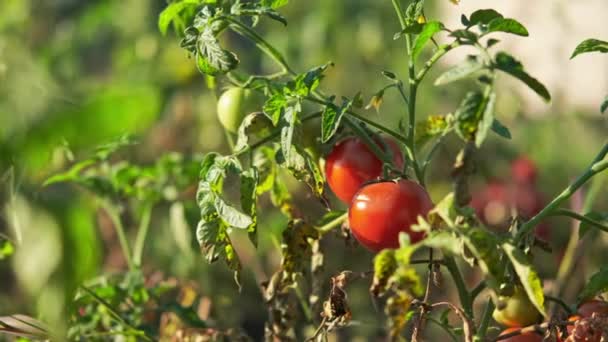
584,331
524,170
519,310
380,211
351,163
588,308
527,337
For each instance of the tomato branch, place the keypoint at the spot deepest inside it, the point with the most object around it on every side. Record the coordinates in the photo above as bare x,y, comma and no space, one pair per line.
598,165
338,221
569,213
120,232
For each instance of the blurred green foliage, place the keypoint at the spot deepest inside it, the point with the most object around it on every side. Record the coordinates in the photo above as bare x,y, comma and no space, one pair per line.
76,74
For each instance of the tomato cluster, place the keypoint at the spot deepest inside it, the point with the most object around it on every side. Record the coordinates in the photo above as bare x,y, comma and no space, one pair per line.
379,211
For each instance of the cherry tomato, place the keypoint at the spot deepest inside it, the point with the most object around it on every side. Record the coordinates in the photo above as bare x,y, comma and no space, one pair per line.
351,163
527,337
380,211
523,170
233,105
519,310
588,308
583,330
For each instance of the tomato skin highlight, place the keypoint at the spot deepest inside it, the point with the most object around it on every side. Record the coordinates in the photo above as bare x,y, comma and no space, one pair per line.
588,308
351,163
519,310
527,337
380,211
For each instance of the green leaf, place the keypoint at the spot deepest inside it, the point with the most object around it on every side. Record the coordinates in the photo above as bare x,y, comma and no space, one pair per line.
274,3
463,70
297,246
585,227
215,243
171,14
604,105
500,129
468,115
6,248
249,182
590,45
507,25
274,107
329,217
483,16
466,35
255,124
331,118
487,120
483,246
513,67
385,265
263,161
597,284
527,275
413,28
425,36
287,133
211,58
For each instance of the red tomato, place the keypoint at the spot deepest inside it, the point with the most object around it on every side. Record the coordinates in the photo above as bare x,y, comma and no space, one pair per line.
523,170
583,330
587,308
527,337
351,163
380,211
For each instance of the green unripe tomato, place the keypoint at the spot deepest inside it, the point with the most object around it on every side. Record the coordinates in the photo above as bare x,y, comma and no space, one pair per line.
518,310
233,105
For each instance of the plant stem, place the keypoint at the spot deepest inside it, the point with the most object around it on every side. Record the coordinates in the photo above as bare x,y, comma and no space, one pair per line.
485,320
569,213
598,165
260,42
560,302
477,290
333,223
436,56
463,294
379,152
142,233
120,232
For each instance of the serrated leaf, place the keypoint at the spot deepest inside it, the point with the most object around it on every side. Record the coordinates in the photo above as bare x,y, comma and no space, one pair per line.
604,105
483,16
463,70
249,183
274,107
254,124
484,247
297,246
527,275
500,129
331,118
585,227
590,45
263,161
288,123
469,114
513,67
171,14
215,243
597,284
445,241
211,58
465,35
507,25
487,120
428,31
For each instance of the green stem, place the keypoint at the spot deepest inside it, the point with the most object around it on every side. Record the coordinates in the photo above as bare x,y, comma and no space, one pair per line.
485,320
448,330
333,223
260,42
142,233
463,294
477,290
569,213
399,12
563,304
598,165
368,140
120,232
436,56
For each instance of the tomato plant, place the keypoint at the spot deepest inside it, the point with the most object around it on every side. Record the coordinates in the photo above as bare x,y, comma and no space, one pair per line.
257,203
351,163
380,211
